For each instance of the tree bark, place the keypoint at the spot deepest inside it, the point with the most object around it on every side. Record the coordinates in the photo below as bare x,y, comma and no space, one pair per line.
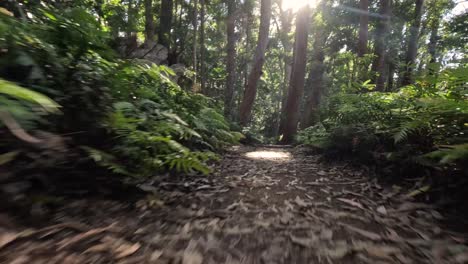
412,51
202,47
149,21
380,44
363,27
296,84
315,81
259,59
165,23
286,25
194,51
230,60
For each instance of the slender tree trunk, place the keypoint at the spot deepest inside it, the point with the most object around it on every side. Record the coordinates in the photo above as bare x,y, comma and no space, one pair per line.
286,25
195,35
433,40
391,73
202,47
412,51
165,23
230,60
130,17
149,21
363,27
259,59
315,82
296,84
380,44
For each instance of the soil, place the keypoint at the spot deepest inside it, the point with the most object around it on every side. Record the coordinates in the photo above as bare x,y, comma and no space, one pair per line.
260,205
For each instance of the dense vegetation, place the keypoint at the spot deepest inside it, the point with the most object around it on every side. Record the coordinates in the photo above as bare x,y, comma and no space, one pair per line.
140,87
87,108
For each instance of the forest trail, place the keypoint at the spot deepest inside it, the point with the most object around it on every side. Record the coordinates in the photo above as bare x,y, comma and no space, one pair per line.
261,205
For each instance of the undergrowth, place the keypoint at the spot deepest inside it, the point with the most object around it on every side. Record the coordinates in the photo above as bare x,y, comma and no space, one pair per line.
425,124
65,94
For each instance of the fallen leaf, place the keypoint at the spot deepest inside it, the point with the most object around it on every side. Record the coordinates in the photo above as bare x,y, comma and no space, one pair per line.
462,258
326,234
382,210
98,248
351,202
338,252
83,236
384,252
364,233
156,255
6,238
322,173
301,202
192,257
126,250
419,191
304,241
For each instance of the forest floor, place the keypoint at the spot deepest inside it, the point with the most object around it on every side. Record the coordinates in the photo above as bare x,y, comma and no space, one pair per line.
261,205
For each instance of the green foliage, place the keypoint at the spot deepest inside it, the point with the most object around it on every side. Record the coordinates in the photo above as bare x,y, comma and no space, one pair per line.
429,120
125,116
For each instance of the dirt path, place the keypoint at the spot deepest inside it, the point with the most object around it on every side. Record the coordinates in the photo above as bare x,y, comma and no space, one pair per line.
264,205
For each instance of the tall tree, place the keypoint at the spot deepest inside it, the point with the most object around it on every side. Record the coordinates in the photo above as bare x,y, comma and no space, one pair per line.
286,17
315,82
149,21
165,22
363,27
195,35
230,60
296,83
412,51
202,47
259,59
381,32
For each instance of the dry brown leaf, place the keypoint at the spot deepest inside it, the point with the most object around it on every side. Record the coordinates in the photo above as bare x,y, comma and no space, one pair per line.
85,235
326,234
381,210
6,238
98,248
384,252
351,202
392,235
304,241
300,202
462,257
156,255
126,250
364,233
192,257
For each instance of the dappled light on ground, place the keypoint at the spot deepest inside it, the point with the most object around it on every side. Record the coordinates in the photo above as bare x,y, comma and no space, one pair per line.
269,155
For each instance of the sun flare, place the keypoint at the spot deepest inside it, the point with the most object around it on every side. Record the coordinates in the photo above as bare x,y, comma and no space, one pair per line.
297,4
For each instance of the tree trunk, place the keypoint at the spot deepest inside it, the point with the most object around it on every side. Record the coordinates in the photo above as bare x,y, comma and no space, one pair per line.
194,52
296,84
230,60
363,27
286,25
149,21
259,59
412,51
202,47
315,81
380,44
165,23
391,73
433,44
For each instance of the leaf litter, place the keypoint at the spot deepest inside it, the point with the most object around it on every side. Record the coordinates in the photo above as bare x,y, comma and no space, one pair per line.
295,210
